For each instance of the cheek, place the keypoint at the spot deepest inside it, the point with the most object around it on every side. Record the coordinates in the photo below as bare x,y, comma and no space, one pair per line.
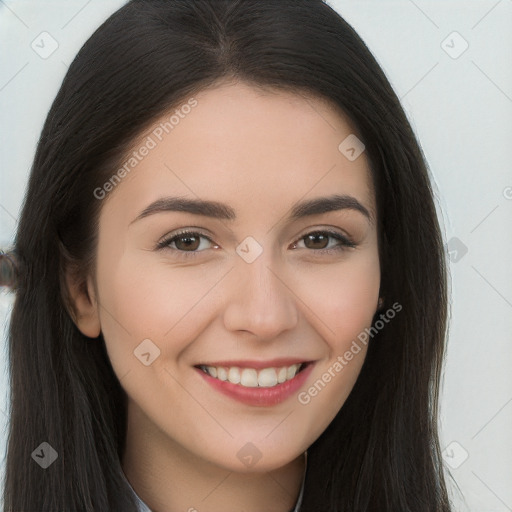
153,302
343,297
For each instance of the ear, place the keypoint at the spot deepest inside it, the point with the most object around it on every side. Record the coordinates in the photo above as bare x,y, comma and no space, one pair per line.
85,307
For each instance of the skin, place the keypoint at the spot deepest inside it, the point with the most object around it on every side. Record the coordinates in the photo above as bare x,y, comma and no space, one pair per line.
259,152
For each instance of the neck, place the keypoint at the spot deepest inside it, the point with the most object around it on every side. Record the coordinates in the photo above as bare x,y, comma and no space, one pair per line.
169,478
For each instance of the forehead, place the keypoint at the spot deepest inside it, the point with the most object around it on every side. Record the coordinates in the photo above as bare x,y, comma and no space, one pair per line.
251,148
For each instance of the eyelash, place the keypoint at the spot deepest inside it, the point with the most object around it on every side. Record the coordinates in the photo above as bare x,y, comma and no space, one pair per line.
345,244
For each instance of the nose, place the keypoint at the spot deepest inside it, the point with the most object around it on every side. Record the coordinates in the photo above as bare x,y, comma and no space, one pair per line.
259,301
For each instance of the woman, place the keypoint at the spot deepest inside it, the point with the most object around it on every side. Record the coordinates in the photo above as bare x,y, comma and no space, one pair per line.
231,288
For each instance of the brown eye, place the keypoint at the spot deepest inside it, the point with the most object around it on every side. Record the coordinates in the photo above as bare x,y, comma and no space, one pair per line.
319,241
316,241
186,242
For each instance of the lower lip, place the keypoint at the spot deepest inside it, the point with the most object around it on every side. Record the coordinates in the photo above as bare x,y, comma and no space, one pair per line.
259,396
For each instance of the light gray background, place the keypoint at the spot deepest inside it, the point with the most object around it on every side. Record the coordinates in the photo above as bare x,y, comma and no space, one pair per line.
460,106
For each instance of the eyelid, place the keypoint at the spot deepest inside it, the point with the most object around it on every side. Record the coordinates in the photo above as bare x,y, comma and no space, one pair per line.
346,240
167,239
326,229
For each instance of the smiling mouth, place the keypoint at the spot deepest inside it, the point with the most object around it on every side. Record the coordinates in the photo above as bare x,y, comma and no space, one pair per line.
252,377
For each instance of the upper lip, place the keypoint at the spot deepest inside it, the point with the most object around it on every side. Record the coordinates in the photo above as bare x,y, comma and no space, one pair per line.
253,363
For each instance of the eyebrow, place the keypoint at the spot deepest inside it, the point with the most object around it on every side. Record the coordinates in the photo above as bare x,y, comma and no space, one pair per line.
222,211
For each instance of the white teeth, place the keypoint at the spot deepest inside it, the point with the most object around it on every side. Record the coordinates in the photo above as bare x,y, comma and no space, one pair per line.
234,375
267,378
291,371
251,378
222,374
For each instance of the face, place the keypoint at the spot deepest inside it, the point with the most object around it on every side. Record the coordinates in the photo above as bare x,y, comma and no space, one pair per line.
246,293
